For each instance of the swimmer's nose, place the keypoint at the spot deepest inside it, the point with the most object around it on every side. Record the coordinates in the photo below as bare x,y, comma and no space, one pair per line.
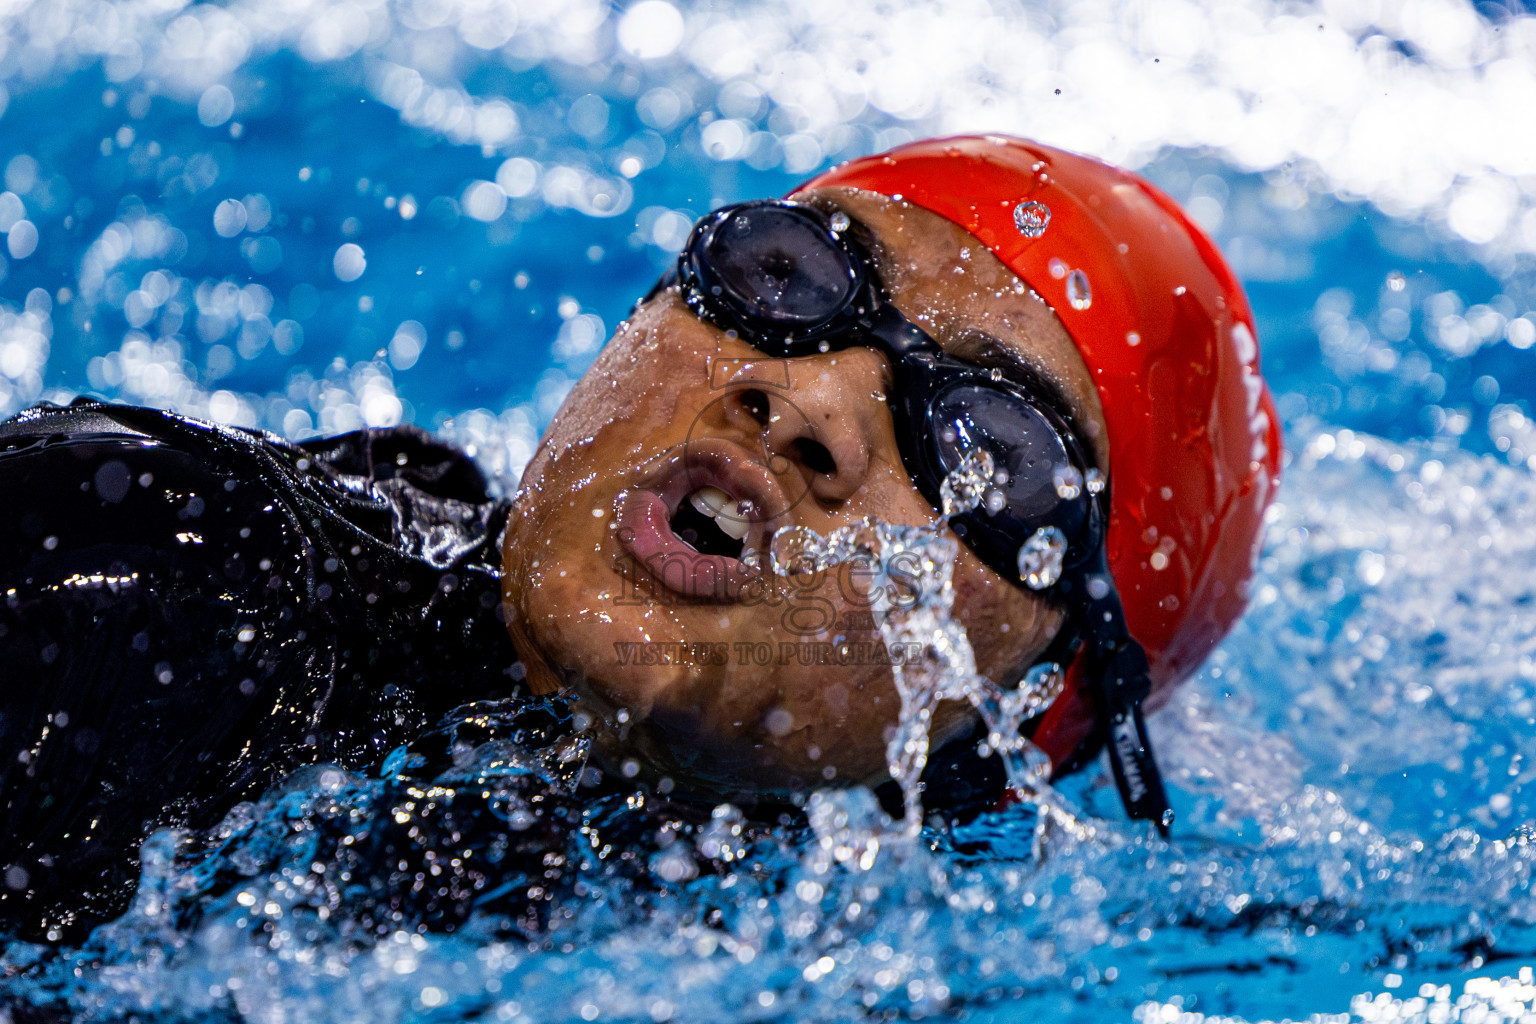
826,425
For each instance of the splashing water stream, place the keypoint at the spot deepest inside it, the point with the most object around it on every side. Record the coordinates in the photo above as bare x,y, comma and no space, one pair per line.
912,594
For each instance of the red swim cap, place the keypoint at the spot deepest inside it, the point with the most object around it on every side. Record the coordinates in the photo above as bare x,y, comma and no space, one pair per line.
1166,332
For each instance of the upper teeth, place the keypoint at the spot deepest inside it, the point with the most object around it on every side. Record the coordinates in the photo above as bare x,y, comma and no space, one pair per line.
719,506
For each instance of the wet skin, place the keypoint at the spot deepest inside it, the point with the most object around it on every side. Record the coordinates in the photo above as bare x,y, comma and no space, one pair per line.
595,571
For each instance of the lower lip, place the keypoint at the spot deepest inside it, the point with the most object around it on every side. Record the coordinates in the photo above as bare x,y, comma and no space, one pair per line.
646,534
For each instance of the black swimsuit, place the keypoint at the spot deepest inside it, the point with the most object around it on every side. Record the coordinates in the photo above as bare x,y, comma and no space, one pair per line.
189,612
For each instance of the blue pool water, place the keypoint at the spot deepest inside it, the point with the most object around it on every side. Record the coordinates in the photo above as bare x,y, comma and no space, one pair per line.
309,216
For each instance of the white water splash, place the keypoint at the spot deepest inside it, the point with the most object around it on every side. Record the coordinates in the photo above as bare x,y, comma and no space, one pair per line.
1482,999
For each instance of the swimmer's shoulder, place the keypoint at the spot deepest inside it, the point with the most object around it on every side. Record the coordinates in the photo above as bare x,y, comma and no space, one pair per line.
407,453
83,417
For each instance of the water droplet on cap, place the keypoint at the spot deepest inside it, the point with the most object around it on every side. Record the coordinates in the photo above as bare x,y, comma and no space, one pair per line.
1031,218
1040,558
1079,293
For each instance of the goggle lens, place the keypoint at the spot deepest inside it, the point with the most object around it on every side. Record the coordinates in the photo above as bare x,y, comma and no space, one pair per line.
1027,452
777,264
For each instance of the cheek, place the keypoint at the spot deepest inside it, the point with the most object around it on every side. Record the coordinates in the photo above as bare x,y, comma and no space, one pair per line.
631,390
559,552
1008,627
633,404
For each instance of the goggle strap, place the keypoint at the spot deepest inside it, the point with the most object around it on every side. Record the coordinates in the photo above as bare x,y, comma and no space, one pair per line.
1122,681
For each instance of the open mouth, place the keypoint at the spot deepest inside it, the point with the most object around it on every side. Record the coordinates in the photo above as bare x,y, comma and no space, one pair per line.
712,522
695,521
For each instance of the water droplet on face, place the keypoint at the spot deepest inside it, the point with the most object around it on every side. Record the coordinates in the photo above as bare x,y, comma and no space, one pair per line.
1041,556
1078,291
840,222
1068,481
1031,218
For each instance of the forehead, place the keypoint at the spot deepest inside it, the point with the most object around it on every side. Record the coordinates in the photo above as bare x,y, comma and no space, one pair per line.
941,276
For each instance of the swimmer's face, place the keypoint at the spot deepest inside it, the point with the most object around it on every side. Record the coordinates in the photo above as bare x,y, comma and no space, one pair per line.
691,666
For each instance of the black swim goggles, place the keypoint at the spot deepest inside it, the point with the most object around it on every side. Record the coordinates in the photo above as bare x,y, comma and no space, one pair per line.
791,280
